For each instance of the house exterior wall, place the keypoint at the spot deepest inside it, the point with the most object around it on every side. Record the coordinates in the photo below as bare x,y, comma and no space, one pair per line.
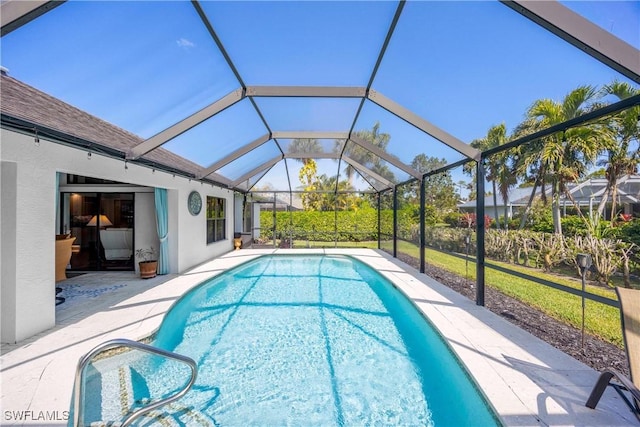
28,275
27,255
237,213
490,211
8,211
193,248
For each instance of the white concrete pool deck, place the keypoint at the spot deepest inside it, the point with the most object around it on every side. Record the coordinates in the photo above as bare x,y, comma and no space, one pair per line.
527,381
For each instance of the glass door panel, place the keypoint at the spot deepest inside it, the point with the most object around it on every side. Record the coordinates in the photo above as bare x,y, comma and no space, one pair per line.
102,224
78,211
115,250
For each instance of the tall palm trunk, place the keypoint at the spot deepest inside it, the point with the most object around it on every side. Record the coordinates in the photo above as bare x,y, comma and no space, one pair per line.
614,196
506,216
495,205
604,200
525,214
612,183
504,193
575,204
555,207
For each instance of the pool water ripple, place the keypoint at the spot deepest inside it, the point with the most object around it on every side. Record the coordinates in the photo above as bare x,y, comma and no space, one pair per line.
309,340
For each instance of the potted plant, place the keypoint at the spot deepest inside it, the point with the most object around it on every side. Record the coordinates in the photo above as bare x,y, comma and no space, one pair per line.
237,240
147,261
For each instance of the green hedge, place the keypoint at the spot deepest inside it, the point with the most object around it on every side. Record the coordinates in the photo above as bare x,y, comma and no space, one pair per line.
353,226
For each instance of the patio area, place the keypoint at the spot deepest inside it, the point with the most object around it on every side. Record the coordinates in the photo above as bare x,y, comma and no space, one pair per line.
527,381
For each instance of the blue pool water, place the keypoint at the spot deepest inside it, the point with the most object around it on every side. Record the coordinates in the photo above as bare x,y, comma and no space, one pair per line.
301,340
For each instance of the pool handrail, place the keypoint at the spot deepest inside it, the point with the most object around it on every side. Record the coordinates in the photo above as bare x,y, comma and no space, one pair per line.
122,342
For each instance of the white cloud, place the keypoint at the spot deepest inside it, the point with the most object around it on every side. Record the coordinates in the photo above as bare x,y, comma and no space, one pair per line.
185,43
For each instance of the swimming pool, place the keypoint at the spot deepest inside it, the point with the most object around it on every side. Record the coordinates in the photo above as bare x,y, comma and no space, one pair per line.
299,340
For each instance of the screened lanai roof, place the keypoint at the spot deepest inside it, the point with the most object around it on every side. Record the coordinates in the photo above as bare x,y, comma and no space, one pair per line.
245,92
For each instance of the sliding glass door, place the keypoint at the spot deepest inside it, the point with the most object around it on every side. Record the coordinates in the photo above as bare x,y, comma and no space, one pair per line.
102,224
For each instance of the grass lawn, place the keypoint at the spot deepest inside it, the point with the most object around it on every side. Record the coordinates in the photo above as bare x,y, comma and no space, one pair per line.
601,320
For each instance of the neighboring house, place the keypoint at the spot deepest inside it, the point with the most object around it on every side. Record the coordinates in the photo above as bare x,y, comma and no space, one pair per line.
60,167
587,194
518,198
265,202
281,202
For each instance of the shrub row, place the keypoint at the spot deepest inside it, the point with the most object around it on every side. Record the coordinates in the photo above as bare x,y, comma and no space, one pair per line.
526,247
353,226
543,250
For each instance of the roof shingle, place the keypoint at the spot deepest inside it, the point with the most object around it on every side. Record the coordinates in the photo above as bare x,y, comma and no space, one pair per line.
24,102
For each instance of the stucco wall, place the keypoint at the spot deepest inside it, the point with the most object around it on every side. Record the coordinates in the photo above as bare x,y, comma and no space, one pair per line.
36,166
192,230
8,211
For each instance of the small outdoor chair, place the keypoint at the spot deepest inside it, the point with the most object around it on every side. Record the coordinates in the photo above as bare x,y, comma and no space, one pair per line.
630,317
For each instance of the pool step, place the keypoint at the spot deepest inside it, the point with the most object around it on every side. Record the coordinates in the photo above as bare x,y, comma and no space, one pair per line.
112,393
129,394
124,390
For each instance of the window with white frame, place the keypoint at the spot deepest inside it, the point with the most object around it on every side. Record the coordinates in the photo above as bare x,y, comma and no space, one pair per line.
216,222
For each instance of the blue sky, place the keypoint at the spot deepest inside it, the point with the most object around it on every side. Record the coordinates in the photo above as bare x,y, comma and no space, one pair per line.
464,66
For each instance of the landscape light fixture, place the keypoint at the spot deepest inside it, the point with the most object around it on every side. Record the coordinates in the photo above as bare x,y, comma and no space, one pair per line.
584,262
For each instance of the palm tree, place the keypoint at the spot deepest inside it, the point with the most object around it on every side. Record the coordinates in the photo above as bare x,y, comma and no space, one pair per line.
364,156
304,145
505,175
565,156
496,171
309,169
623,129
329,200
528,165
501,169
308,178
